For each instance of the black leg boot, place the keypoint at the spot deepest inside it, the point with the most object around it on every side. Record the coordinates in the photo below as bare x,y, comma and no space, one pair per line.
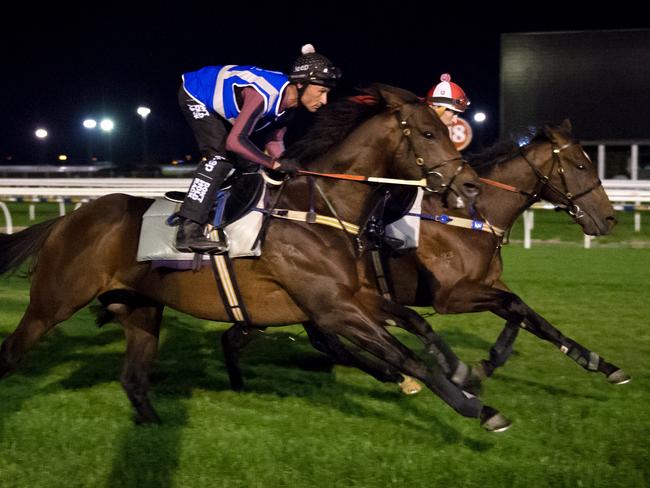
190,238
197,205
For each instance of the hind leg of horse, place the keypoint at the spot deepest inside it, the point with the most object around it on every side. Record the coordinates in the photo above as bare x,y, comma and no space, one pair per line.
476,297
232,342
56,293
332,346
540,327
42,315
31,328
141,328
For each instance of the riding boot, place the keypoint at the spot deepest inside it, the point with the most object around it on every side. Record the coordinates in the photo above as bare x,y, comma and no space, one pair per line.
196,206
190,238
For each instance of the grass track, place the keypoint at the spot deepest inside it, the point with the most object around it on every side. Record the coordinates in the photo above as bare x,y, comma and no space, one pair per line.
64,420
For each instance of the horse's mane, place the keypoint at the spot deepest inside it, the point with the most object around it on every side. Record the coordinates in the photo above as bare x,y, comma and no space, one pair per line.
506,149
335,121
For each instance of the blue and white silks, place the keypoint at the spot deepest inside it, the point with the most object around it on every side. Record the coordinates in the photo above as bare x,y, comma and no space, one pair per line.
214,87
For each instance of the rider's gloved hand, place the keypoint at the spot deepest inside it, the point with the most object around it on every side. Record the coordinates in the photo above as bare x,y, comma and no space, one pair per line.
288,166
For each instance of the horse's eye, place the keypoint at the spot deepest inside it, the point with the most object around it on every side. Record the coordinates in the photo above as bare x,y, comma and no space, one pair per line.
580,166
428,135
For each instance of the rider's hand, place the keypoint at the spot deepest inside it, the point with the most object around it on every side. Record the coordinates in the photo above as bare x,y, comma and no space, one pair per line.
288,166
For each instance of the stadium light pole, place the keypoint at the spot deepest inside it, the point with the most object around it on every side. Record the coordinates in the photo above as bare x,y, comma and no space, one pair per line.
107,125
90,125
41,134
480,117
144,113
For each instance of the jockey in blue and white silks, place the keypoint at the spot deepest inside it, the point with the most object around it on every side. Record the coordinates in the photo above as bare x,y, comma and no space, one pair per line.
214,86
249,99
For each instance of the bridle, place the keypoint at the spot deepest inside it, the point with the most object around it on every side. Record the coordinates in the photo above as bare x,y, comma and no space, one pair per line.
429,171
566,197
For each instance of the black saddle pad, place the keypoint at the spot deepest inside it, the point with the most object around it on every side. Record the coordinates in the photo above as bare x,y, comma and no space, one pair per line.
244,191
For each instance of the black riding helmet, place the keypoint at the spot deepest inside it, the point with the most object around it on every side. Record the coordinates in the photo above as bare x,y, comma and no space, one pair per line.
314,68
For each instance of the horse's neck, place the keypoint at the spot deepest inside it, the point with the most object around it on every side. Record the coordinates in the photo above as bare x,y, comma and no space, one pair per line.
364,152
502,207
361,153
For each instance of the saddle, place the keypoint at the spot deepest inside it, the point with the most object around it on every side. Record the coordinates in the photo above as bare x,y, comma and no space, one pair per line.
239,211
235,198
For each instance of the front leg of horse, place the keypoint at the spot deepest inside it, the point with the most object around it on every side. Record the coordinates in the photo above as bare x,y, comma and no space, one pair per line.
499,352
518,314
332,346
374,339
453,367
589,360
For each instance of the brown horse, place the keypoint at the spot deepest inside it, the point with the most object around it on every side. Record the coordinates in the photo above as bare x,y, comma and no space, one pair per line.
463,268
458,270
306,271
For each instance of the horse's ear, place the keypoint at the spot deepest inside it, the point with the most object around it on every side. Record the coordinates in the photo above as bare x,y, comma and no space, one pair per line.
394,97
565,126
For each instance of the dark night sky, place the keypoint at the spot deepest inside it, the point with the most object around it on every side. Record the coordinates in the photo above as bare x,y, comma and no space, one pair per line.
64,65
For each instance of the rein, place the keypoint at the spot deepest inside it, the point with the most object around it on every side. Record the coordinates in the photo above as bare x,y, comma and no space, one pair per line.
419,161
370,179
351,229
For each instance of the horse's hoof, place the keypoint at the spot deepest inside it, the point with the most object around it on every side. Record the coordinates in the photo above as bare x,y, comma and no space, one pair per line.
409,386
493,421
619,377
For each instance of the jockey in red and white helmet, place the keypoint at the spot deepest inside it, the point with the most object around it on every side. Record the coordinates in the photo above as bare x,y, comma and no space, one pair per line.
447,99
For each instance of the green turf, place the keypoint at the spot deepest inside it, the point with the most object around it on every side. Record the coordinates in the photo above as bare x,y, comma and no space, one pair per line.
64,420
553,227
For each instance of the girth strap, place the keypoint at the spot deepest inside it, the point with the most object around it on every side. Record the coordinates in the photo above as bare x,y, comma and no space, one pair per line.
228,289
314,218
380,274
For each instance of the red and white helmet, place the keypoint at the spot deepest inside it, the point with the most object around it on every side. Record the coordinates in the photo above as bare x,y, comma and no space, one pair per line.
448,94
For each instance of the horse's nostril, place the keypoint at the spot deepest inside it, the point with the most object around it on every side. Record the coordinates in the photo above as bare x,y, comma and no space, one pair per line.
470,189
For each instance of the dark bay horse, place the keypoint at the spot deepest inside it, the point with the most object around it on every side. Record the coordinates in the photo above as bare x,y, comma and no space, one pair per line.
458,270
463,268
306,271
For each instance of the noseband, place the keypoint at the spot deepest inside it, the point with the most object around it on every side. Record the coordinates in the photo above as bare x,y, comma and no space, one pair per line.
429,171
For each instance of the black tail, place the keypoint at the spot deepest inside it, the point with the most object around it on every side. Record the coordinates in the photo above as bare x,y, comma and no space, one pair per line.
102,314
16,248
